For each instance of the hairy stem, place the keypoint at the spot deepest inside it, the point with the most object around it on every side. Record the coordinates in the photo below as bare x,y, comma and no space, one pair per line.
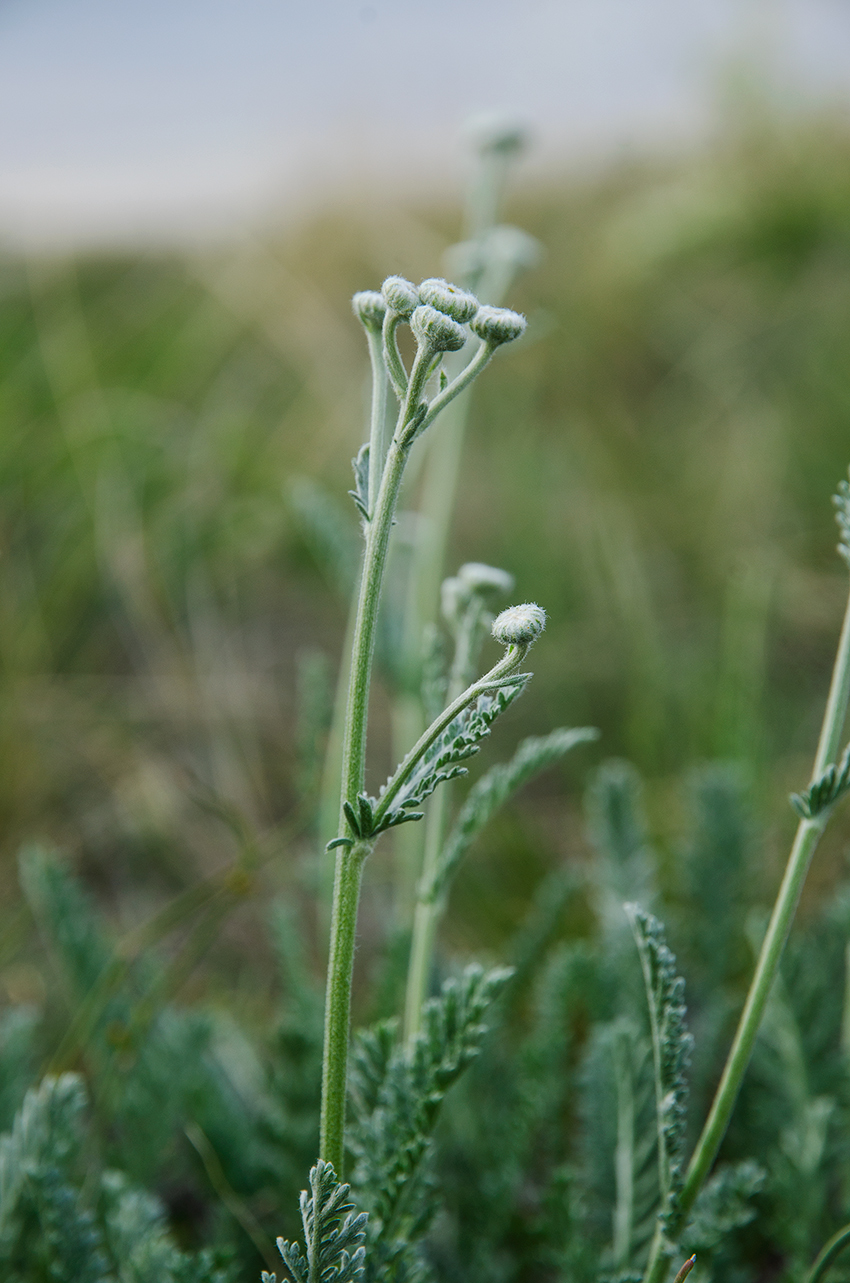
807,837
378,434
349,861
349,866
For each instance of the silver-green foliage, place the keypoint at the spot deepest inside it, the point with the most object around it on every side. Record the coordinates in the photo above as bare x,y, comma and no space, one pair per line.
62,1221
397,1092
334,1232
460,740
825,790
494,788
671,1050
725,1204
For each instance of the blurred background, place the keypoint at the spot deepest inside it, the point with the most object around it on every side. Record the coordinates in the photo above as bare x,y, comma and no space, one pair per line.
189,194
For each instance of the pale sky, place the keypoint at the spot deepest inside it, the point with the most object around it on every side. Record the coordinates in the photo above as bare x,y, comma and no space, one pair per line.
122,120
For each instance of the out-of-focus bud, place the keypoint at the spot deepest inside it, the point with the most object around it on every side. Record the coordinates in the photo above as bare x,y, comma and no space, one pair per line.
480,578
369,308
497,132
497,325
435,330
401,295
519,625
454,596
459,304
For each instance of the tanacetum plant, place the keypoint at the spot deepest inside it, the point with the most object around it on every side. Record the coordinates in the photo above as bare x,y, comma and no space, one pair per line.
540,1120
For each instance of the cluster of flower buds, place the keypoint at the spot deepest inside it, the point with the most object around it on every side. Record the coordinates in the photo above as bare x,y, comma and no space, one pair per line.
438,313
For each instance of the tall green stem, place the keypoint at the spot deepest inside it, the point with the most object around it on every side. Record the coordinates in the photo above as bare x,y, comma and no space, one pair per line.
349,862
807,837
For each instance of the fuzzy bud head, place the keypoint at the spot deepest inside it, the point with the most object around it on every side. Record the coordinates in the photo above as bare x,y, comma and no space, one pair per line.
459,304
497,325
479,578
401,296
369,308
519,625
435,330
497,132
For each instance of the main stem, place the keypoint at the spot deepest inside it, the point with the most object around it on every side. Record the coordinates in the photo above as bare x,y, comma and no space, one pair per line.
806,840
349,861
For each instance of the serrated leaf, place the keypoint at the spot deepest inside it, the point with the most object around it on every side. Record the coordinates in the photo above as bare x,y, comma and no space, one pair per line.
723,1205
491,792
825,790
334,1232
396,1095
671,1050
459,741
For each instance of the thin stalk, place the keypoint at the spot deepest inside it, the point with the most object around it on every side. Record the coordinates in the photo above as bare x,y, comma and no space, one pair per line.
419,968
807,837
428,907
828,1254
379,435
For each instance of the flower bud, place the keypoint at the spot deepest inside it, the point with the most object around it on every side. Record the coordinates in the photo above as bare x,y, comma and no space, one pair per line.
435,330
401,295
519,625
454,597
497,132
497,325
369,308
448,299
479,578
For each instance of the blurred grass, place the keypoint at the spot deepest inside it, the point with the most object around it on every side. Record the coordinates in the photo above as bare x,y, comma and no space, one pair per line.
653,464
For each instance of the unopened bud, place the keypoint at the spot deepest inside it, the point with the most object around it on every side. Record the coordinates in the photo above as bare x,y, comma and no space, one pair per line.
435,330
480,578
459,304
497,132
369,308
401,295
519,625
497,325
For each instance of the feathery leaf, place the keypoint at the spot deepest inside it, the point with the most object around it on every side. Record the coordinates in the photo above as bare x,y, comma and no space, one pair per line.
671,1049
489,793
825,790
333,1233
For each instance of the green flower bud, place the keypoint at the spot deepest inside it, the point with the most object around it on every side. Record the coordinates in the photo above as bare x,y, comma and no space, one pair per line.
497,325
519,625
448,299
435,330
479,578
401,295
369,308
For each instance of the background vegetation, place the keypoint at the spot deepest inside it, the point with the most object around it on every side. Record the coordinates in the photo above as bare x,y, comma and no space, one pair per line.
653,464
